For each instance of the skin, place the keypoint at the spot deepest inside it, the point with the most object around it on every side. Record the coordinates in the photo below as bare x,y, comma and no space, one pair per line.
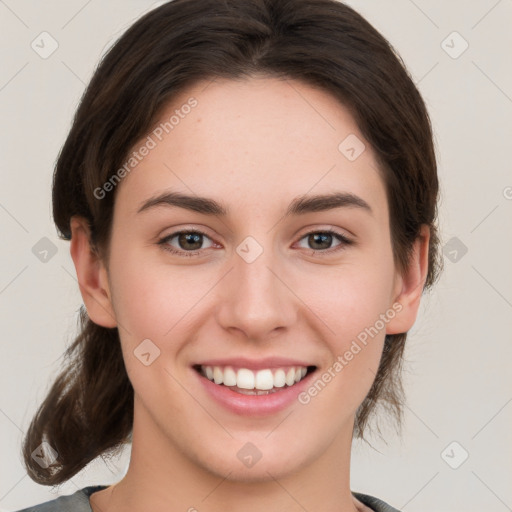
292,300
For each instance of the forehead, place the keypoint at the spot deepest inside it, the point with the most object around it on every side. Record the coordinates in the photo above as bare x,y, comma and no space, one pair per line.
254,141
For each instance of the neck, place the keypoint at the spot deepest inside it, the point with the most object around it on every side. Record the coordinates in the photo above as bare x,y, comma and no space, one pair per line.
161,477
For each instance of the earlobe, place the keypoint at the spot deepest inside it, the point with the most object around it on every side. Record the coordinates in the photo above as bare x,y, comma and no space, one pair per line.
91,274
411,285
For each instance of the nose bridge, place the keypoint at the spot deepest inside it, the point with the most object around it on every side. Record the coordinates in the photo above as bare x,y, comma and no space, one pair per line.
256,300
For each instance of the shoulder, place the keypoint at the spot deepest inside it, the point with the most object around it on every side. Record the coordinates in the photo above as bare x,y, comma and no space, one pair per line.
79,502
374,503
76,502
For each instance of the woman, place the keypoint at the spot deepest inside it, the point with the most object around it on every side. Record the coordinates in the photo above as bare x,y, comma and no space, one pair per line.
250,191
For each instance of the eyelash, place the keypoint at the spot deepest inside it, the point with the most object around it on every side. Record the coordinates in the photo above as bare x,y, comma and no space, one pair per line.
163,242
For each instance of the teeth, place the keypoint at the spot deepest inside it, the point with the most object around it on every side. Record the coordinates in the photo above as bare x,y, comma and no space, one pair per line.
218,375
262,380
279,379
290,377
229,377
244,378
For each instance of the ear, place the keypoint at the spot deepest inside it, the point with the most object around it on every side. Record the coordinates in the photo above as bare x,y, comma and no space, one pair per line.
409,286
92,275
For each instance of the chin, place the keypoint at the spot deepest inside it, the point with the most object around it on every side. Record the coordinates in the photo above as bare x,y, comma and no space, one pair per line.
240,467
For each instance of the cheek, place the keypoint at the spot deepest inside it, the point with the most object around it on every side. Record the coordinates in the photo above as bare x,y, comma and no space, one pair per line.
355,339
140,290
138,303
155,301
353,297
355,307
151,306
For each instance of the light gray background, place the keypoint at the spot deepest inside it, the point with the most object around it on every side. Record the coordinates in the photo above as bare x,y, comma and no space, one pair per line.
458,376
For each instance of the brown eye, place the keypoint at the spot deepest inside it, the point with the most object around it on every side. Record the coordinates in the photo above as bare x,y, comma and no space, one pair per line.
321,241
189,243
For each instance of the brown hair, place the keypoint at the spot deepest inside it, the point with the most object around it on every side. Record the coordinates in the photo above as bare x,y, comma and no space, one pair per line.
89,409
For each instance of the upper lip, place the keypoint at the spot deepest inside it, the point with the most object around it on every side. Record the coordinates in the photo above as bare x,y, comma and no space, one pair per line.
255,364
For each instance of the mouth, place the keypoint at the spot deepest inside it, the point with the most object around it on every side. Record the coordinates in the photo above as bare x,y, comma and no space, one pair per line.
264,381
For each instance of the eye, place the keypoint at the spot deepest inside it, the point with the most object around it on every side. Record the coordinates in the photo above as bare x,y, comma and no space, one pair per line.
320,241
189,242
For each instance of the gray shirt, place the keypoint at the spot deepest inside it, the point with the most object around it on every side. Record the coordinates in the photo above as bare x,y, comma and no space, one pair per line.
79,502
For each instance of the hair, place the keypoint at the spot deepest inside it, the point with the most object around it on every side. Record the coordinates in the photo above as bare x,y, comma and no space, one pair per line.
88,411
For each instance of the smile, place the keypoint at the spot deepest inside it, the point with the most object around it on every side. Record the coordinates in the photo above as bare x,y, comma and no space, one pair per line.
249,382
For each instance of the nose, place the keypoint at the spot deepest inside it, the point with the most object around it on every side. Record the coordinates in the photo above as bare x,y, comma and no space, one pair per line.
256,298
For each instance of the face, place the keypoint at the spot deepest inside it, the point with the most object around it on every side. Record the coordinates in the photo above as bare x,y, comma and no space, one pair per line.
256,281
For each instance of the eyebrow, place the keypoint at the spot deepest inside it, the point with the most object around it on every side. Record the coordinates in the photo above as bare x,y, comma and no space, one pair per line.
299,206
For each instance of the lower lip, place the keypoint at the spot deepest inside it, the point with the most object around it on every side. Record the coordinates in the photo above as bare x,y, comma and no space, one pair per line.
254,405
